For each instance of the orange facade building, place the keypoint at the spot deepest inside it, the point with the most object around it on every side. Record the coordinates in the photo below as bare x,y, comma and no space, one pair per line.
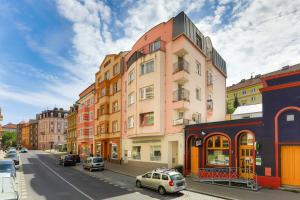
85,122
108,107
25,135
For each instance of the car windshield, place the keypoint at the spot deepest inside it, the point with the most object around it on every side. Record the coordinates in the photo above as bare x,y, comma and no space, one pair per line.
97,160
176,177
6,167
69,158
11,155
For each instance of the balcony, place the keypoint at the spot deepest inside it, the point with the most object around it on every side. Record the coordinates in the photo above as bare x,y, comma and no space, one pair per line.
209,104
181,121
181,95
181,65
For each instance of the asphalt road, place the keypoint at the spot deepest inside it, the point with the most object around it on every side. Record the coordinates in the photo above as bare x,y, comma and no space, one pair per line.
41,178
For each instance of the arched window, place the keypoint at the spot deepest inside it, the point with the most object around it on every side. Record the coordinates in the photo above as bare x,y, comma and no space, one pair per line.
217,151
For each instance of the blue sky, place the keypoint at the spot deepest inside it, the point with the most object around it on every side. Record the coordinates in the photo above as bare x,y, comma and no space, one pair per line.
50,50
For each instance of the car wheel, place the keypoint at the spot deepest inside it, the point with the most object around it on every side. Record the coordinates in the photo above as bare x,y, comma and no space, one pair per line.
161,190
138,184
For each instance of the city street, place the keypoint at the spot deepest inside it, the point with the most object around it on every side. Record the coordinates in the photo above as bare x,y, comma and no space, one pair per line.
42,178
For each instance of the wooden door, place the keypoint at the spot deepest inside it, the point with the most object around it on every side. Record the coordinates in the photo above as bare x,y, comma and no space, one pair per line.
290,162
246,161
194,160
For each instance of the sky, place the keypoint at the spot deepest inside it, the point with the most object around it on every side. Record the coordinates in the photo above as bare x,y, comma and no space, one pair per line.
50,50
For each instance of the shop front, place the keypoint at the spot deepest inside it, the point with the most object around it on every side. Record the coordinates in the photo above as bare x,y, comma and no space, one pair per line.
108,149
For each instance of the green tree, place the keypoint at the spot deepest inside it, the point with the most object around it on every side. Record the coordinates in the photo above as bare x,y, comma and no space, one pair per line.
236,102
9,139
230,109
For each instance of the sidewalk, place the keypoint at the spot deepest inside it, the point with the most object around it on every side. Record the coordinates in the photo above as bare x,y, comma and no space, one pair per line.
214,190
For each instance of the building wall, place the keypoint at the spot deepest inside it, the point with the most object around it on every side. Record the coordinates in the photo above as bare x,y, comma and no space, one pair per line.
33,134
72,132
25,136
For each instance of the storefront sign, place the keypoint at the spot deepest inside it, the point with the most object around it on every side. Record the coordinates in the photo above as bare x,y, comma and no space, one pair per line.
198,143
258,160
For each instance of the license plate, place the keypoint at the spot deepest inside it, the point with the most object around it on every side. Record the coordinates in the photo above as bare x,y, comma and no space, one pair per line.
180,184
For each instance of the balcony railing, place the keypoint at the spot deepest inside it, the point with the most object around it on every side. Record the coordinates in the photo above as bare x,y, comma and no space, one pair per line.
181,65
181,95
181,121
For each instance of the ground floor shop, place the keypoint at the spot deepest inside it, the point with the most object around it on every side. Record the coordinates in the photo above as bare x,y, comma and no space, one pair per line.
85,149
72,146
108,149
167,150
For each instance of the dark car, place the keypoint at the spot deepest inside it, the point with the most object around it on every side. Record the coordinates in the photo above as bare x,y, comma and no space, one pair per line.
15,158
67,160
8,166
76,158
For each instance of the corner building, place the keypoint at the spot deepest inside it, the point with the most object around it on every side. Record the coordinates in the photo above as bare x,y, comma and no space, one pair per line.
173,77
108,107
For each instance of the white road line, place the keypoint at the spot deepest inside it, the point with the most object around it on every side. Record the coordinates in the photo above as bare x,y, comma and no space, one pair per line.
59,176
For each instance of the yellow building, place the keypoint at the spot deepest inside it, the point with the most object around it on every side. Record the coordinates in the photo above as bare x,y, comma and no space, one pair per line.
108,107
247,90
25,135
71,132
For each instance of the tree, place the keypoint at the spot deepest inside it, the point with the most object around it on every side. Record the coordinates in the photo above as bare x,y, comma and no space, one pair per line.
9,139
236,102
230,109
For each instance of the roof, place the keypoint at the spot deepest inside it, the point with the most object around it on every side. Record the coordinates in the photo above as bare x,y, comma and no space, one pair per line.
10,126
256,108
257,79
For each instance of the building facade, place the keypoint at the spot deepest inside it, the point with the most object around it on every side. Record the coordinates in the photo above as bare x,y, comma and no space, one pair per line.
72,131
108,107
33,134
247,91
10,127
25,135
85,122
173,77
19,133
265,148
52,127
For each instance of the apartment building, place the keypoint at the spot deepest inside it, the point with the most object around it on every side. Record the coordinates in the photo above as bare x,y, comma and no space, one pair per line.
85,122
10,127
72,132
25,135
108,107
33,134
52,127
19,133
247,91
173,77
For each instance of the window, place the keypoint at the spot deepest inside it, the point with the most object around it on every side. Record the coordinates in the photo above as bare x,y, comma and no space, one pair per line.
155,153
253,98
59,115
81,118
209,78
91,131
164,177
253,90
156,176
199,41
136,152
180,115
217,151
244,92
102,128
115,69
147,67
147,92
114,151
154,46
198,68
115,126
130,77
130,122
106,75
198,93
196,117
131,99
148,175
146,119
115,106
102,92
115,87
91,115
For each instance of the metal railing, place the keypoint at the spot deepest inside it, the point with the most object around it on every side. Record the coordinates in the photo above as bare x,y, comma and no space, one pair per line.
228,174
181,65
181,95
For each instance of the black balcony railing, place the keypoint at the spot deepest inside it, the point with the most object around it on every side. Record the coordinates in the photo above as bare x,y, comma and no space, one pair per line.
181,95
181,65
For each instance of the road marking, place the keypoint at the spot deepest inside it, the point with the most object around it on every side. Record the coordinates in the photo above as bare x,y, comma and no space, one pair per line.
62,178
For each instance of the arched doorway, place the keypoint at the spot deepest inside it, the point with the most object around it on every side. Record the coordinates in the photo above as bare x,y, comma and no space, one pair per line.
194,156
246,155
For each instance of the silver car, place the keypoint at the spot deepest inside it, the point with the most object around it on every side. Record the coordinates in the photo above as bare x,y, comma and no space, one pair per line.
8,187
93,163
162,180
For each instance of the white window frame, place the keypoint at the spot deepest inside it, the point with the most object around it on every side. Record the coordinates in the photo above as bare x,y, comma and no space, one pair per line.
130,122
131,77
198,97
198,68
115,126
148,68
131,99
144,94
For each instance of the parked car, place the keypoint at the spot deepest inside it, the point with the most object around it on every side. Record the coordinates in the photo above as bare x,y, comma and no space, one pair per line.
67,160
93,163
24,150
15,158
76,157
8,166
162,180
8,187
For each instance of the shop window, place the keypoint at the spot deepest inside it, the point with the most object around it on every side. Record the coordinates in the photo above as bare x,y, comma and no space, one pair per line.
155,153
114,151
136,152
217,151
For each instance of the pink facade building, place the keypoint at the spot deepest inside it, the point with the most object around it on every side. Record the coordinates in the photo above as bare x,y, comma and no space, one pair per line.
173,77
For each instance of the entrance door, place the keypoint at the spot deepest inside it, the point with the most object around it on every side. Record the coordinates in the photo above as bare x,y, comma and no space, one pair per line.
194,158
174,154
246,155
290,162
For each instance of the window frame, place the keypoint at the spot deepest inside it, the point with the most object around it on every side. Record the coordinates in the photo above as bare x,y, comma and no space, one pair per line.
143,93
147,69
222,148
143,119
